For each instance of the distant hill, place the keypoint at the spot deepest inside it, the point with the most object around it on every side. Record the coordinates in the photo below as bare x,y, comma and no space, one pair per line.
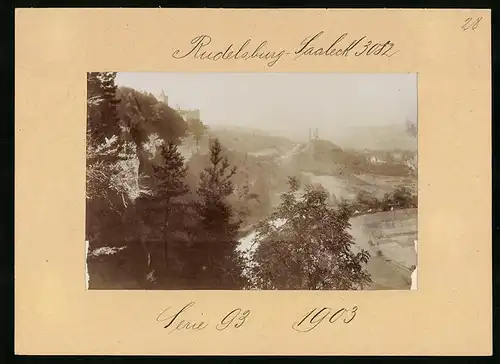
325,157
247,140
383,137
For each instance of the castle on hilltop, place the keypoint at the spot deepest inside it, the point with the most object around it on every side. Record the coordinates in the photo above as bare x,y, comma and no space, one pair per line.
313,135
316,143
187,114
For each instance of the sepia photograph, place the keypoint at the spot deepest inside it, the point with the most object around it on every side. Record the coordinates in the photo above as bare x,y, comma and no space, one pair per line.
251,181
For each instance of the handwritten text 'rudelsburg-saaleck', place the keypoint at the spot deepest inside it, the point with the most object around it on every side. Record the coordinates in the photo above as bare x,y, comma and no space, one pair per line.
201,47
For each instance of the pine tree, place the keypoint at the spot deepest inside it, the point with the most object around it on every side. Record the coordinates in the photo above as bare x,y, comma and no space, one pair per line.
108,107
102,119
213,260
161,211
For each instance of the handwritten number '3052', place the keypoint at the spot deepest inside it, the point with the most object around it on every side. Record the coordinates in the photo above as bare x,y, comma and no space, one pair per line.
471,24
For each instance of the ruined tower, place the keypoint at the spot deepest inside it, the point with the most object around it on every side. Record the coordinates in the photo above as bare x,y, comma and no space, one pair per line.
164,97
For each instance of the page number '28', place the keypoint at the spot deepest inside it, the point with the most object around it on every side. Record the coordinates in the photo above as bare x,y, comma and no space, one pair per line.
471,24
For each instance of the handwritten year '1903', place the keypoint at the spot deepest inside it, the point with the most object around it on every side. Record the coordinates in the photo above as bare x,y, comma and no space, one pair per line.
235,319
317,316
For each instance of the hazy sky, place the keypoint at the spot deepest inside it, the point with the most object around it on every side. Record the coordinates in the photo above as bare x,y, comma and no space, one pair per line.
287,102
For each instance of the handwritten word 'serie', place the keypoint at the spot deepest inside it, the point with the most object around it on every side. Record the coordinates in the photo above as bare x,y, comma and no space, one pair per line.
181,320
327,315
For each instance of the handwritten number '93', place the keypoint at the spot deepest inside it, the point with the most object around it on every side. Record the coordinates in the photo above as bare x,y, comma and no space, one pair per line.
471,24
234,318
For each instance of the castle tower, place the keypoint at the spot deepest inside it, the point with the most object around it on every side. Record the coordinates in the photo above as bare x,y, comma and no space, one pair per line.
164,97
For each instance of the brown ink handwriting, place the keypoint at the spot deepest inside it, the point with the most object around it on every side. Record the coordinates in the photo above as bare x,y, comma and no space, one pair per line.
326,314
182,320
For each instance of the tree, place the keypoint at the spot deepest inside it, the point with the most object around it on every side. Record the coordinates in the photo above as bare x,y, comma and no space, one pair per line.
414,200
144,115
261,191
365,201
387,202
102,101
160,212
305,244
197,130
121,124
113,179
213,260
402,197
242,195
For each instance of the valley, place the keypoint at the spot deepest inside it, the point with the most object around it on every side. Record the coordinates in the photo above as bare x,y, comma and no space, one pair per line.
387,235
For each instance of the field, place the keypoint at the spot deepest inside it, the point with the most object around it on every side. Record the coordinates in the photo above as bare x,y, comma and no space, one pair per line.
388,183
389,237
348,186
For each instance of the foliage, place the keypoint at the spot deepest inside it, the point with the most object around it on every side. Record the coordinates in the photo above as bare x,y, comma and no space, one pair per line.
365,200
213,262
118,130
159,213
145,115
102,119
401,198
197,129
171,223
305,244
